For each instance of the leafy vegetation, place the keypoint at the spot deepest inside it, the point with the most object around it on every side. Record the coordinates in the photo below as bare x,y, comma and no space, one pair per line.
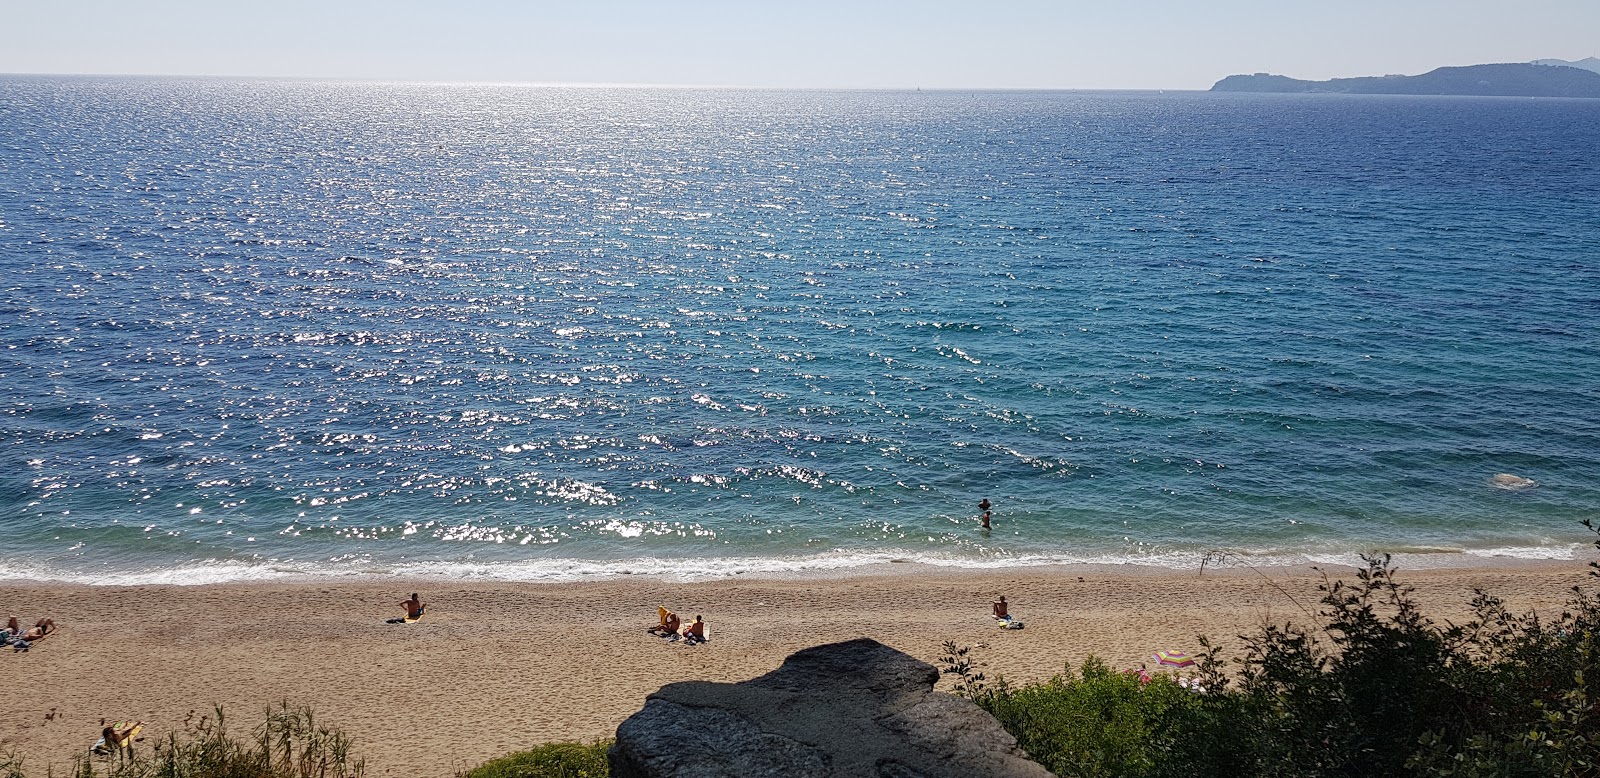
289,744
1375,688
552,760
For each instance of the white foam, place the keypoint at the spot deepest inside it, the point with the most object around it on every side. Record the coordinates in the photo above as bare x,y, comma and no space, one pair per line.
1527,552
675,569
196,574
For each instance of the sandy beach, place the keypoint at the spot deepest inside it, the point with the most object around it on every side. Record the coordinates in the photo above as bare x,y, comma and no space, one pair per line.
499,667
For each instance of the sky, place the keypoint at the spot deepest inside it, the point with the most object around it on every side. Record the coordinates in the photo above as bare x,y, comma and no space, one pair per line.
1066,44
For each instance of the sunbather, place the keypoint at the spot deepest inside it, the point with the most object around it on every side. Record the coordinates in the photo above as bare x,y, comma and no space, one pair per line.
696,632
414,608
117,736
41,629
1000,609
668,623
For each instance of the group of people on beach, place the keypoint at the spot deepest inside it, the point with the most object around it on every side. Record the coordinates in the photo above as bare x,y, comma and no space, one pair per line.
669,626
20,639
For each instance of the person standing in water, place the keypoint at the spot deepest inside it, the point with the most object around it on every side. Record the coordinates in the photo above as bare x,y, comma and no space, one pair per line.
983,505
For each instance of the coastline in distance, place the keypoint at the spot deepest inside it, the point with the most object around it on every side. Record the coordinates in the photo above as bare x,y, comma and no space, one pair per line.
1500,80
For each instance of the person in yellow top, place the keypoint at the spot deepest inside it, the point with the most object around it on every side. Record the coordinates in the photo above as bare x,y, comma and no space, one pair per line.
667,623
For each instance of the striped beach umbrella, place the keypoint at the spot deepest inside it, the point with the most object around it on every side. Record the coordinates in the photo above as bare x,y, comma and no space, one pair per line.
1174,659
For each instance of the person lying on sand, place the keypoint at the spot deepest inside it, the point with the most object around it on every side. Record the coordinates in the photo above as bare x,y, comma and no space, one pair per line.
667,625
696,632
413,607
39,631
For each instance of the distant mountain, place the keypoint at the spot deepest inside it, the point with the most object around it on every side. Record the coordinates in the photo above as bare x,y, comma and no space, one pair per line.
1588,63
1507,80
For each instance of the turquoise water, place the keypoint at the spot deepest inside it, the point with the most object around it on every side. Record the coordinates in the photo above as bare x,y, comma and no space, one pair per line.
264,328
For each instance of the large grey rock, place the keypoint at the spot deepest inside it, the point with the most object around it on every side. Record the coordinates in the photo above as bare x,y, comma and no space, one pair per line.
848,709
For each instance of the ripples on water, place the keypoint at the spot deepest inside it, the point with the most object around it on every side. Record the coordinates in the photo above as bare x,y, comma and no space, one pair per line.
543,332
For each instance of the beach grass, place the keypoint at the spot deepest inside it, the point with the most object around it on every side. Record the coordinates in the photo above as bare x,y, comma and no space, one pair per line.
288,744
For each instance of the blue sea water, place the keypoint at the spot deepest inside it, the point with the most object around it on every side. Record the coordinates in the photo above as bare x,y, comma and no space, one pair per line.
267,328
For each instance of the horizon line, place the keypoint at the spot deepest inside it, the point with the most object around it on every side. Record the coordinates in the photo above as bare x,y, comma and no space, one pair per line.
600,84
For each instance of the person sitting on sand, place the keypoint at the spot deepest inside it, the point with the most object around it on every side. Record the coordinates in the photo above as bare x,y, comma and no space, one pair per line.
413,608
1000,612
696,632
113,739
668,624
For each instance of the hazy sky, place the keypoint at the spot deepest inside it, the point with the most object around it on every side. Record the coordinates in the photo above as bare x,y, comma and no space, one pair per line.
1105,44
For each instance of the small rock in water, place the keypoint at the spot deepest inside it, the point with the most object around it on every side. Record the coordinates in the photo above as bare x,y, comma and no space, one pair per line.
1515,483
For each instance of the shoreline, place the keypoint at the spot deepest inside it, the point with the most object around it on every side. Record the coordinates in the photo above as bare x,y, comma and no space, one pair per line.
817,567
496,667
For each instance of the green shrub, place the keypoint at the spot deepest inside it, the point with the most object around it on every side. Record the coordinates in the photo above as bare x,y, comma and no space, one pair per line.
1374,688
551,760
1097,723
289,744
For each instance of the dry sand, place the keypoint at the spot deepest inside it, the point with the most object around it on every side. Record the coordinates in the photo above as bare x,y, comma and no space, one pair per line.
498,667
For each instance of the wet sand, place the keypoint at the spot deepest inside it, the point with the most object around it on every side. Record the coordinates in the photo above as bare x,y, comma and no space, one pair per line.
497,667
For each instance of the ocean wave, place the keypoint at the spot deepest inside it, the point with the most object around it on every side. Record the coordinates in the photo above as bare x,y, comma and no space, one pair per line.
567,570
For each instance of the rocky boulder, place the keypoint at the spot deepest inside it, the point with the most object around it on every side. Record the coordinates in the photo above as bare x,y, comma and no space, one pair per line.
852,709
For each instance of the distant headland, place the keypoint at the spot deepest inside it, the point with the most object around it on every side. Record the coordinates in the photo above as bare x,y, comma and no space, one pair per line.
1544,78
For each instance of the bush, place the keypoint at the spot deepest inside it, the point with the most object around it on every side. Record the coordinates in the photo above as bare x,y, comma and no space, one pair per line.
1097,723
1376,688
289,744
552,760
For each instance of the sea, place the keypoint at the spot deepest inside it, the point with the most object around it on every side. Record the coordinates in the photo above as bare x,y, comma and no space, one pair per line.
273,329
